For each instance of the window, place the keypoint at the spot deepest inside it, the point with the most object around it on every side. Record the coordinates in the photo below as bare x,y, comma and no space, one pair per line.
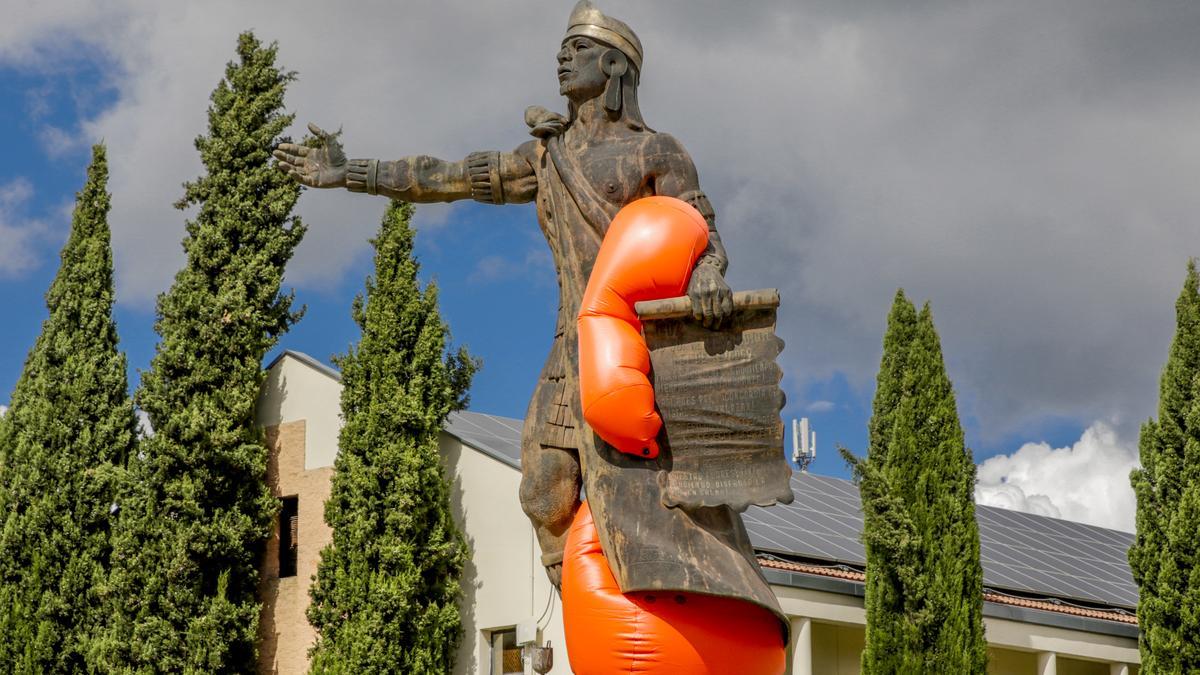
506,655
289,524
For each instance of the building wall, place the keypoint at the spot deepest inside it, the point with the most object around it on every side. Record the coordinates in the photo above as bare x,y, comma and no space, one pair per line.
284,632
838,633
294,391
837,650
1010,662
503,582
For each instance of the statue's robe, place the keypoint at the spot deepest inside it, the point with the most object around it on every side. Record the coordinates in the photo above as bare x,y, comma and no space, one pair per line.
649,546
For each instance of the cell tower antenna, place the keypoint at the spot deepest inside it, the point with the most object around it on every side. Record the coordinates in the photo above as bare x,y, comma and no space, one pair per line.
804,444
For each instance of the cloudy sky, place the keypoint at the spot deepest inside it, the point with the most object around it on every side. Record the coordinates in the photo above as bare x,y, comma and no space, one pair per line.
1027,167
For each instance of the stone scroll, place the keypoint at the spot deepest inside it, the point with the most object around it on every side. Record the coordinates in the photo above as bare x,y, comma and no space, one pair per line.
719,397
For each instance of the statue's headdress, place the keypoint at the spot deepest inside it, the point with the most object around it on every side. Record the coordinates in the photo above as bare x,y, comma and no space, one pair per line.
620,96
588,21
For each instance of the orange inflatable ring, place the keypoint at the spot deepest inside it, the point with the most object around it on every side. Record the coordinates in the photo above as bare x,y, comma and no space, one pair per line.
648,253
658,632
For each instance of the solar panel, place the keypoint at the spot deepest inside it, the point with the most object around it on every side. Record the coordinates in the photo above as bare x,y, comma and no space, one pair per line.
1020,552
497,436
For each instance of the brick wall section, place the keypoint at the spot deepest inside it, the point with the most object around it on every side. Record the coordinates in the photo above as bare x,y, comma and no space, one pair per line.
283,630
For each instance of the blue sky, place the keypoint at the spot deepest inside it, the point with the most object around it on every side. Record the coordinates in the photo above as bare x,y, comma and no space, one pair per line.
1027,167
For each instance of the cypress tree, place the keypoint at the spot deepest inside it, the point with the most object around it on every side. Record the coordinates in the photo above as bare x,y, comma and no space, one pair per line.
1165,557
190,539
924,580
70,427
387,587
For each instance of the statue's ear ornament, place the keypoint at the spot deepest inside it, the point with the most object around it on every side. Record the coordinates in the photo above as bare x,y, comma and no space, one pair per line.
615,64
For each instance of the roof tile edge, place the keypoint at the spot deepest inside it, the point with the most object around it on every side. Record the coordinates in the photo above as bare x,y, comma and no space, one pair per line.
849,574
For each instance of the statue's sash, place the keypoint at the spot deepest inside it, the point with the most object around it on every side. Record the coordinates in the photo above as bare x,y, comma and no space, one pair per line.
598,211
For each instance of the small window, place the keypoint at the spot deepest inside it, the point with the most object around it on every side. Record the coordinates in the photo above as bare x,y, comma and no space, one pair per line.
506,655
289,525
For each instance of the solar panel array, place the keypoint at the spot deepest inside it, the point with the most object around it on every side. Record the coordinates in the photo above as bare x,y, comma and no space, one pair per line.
1021,552
497,436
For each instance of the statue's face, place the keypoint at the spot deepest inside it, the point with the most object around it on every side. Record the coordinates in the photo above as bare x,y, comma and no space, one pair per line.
580,77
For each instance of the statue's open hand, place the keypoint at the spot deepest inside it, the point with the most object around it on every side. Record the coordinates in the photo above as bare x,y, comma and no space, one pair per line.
712,301
323,166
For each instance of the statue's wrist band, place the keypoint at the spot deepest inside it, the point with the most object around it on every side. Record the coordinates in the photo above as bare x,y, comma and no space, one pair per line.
372,176
483,172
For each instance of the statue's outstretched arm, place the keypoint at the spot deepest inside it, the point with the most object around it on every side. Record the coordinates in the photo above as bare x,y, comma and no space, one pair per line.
491,177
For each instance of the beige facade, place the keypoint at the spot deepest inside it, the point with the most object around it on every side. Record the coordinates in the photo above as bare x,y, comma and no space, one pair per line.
504,584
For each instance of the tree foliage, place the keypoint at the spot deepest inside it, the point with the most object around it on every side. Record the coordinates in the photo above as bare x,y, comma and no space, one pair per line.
69,429
924,590
387,587
1165,557
190,536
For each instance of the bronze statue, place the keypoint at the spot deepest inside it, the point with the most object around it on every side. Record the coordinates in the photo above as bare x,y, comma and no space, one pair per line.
581,168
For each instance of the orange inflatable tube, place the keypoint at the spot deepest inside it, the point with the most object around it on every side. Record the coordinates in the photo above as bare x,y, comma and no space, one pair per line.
657,632
648,253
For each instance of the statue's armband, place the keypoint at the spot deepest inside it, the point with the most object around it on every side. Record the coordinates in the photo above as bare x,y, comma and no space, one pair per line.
715,253
483,170
500,177
699,200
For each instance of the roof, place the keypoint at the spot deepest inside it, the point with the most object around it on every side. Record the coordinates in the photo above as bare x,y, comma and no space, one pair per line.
1043,604
497,437
1021,552
1037,561
307,360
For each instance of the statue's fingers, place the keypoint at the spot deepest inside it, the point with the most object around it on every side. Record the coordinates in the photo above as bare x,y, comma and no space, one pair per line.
726,305
709,306
697,305
285,167
286,150
317,131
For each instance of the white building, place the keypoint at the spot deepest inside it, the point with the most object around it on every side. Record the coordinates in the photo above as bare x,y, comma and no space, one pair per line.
1059,598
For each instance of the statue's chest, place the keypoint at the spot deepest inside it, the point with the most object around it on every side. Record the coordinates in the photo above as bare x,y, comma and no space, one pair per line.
616,172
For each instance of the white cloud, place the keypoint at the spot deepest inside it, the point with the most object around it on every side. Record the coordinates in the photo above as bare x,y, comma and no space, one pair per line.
1087,482
820,406
18,234
57,142
3,410
1028,167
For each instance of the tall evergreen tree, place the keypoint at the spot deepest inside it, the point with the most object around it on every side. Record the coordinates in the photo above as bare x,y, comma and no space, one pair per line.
924,592
62,443
387,588
1165,557
189,540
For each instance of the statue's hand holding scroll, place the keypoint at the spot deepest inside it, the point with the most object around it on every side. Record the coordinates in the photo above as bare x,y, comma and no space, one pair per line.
322,166
712,301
